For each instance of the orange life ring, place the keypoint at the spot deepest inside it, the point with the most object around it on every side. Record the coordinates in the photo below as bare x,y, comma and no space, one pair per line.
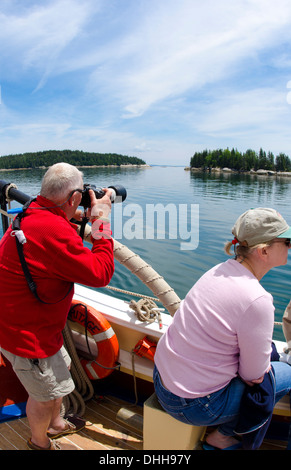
104,336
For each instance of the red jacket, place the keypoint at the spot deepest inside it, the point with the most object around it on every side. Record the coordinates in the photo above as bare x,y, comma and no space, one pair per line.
56,257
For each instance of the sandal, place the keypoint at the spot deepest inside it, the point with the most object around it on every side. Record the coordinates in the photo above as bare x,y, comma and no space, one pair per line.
74,424
53,446
233,447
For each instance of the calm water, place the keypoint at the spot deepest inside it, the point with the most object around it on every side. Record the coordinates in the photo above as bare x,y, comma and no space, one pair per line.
216,202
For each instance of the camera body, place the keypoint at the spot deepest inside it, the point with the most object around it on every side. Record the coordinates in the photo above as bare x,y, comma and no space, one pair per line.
118,194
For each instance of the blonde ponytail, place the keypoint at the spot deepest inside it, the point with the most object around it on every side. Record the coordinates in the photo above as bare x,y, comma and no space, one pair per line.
242,251
227,248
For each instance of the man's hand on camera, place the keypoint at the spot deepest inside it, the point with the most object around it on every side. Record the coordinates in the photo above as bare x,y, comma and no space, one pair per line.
100,207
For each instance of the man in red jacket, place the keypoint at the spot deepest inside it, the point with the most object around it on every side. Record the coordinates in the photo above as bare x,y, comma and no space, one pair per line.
30,329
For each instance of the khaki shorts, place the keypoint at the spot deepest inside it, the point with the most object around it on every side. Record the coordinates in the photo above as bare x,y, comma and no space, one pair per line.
44,379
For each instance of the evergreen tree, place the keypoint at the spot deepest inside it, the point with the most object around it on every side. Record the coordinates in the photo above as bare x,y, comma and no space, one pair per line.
241,162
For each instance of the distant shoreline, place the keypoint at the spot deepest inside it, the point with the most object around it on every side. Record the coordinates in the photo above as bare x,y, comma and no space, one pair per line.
125,165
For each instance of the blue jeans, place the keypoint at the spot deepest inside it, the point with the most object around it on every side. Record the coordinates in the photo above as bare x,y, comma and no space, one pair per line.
220,408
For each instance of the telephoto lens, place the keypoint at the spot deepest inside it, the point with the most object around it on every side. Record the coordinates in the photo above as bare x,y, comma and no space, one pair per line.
118,194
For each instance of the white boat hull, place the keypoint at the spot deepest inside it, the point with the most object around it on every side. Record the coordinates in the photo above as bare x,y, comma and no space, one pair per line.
128,328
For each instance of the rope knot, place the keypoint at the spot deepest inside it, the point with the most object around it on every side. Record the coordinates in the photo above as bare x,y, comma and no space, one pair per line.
146,310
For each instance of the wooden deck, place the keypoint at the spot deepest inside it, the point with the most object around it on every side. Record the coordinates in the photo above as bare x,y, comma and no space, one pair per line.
103,431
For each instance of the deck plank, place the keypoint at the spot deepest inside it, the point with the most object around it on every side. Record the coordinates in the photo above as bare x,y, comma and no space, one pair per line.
102,431
6,443
113,434
15,433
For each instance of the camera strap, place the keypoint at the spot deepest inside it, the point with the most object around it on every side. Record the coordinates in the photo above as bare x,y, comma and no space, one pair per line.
20,240
85,220
81,224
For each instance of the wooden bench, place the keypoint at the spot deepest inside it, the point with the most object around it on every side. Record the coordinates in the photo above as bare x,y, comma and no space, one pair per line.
282,407
162,432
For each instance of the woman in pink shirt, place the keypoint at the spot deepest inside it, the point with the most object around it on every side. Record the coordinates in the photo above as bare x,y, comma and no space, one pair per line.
221,336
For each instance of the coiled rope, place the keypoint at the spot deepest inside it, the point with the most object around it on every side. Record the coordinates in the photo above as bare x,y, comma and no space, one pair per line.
146,310
74,403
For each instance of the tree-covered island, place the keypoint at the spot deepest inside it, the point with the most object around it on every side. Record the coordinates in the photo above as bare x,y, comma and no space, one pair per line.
241,162
79,158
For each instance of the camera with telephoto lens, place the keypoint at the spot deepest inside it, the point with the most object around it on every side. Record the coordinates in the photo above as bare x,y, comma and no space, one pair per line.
118,194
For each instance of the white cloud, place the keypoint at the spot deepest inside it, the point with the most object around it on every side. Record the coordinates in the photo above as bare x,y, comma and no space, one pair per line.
184,45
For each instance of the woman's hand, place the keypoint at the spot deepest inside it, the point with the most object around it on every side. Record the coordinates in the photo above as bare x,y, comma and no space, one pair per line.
257,381
253,382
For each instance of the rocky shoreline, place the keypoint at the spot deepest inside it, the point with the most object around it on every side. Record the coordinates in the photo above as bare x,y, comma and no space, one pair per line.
259,172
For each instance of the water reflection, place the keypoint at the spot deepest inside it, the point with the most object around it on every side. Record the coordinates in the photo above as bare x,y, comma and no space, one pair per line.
262,189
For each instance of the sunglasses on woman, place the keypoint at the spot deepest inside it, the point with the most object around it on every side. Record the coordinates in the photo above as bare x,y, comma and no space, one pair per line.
287,242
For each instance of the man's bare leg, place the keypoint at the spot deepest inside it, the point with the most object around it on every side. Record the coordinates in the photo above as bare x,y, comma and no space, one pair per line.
39,416
57,423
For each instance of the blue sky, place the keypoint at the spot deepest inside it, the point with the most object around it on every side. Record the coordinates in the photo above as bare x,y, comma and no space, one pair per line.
157,79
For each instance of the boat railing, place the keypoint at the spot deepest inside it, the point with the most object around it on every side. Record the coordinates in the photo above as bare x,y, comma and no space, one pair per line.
8,193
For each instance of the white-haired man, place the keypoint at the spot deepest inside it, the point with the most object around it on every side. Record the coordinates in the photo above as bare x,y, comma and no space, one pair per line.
30,327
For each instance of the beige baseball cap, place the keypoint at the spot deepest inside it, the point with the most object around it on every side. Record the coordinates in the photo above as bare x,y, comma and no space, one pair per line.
260,225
